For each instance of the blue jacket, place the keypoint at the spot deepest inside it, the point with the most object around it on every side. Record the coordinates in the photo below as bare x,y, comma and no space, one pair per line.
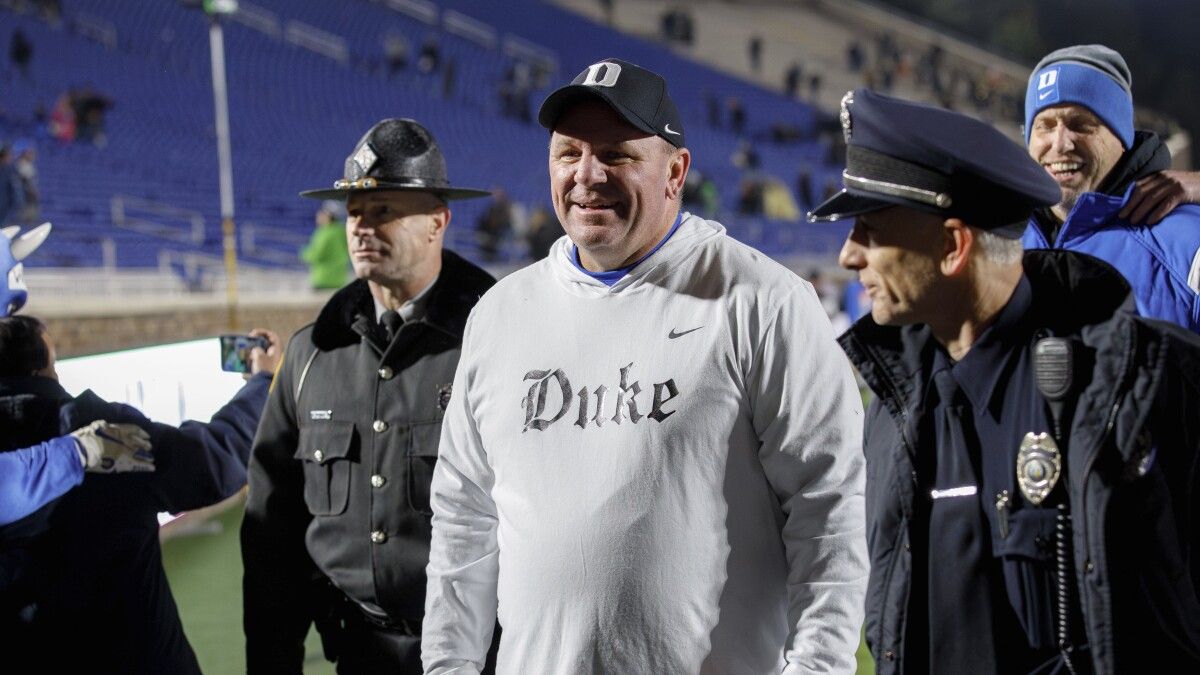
32,477
92,558
1155,259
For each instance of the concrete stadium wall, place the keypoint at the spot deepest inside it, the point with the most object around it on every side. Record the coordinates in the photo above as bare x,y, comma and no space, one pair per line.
108,326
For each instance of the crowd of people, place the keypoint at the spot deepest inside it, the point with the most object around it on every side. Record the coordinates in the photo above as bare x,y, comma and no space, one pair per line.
647,452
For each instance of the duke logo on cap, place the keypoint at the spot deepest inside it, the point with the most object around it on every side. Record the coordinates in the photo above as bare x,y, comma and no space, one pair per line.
638,95
1047,91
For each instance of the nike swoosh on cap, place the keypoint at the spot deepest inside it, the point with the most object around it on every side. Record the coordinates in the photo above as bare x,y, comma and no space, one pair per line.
667,128
1044,94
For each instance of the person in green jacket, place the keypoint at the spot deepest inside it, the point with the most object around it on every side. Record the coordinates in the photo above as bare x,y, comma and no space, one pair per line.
327,256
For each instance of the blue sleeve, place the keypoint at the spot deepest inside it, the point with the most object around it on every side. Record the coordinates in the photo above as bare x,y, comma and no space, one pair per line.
198,463
32,477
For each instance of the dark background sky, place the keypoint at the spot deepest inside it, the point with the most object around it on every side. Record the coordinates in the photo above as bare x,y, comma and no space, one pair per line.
1160,39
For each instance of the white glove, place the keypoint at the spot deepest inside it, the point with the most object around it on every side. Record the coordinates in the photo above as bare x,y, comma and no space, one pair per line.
113,448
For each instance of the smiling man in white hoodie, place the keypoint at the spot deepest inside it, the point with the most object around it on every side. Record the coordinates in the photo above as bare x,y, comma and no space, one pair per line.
651,461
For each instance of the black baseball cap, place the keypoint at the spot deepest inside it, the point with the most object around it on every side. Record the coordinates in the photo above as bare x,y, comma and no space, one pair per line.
638,95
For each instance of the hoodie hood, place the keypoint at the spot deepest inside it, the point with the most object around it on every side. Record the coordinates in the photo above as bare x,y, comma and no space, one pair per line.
693,232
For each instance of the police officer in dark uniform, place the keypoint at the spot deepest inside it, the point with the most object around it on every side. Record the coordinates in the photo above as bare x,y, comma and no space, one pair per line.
1032,451
337,522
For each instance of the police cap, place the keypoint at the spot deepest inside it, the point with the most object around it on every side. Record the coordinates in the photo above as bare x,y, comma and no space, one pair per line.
900,153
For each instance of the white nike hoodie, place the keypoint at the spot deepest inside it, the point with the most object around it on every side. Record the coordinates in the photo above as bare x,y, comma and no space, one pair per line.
662,476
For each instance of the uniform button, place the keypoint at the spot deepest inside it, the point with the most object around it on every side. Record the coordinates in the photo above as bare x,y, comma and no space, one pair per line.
1089,567
379,426
889,655
377,481
385,373
378,537
318,455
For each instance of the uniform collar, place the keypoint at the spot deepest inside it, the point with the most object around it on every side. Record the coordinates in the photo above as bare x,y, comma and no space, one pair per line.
990,358
413,309
351,310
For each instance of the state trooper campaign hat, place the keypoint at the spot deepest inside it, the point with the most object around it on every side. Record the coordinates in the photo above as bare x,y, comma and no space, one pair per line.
900,153
395,154
638,95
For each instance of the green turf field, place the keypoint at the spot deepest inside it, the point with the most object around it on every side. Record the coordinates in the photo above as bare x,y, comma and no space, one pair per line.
206,577
205,571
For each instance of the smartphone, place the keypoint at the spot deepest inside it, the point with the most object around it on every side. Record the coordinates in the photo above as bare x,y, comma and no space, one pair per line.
235,351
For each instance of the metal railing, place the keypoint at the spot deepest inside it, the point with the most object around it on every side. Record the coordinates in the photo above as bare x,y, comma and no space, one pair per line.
188,226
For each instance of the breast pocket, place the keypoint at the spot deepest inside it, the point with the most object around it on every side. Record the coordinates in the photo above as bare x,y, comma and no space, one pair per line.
423,441
324,451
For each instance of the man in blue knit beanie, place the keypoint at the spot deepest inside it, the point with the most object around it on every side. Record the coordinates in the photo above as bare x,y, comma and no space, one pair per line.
1079,125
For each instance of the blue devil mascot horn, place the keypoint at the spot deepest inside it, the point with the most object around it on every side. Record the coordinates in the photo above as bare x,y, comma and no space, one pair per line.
13,250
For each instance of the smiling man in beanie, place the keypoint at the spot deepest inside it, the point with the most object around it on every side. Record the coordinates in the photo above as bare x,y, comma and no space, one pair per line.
1033,446
1079,127
337,521
651,463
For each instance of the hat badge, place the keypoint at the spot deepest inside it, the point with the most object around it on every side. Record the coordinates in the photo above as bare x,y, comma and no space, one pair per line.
844,115
363,160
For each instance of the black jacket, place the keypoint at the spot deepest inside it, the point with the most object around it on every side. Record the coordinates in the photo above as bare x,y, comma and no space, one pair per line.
1133,469
92,594
340,472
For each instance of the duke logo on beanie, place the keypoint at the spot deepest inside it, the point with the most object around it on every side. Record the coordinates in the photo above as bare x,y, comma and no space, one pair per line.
1092,76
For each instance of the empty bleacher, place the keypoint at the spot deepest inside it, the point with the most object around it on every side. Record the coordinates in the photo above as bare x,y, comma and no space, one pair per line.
306,78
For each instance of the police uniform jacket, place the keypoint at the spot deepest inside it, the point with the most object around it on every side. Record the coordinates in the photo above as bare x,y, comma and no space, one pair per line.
340,471
1132,470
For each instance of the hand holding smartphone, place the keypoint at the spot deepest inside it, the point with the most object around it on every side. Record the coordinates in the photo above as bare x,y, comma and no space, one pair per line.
235,351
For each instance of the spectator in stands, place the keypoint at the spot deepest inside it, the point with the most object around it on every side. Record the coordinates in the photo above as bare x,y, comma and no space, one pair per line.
91,108
1079,126
792,78
12,193
494,225
327,253
750,196
700,194
395,53
24,163
430,55
99,563
854,56
814,87
20,53
714,522
337,522
804,188
606,9
515,90
676,26
712,103
745,157
754,50
737,114
544,230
